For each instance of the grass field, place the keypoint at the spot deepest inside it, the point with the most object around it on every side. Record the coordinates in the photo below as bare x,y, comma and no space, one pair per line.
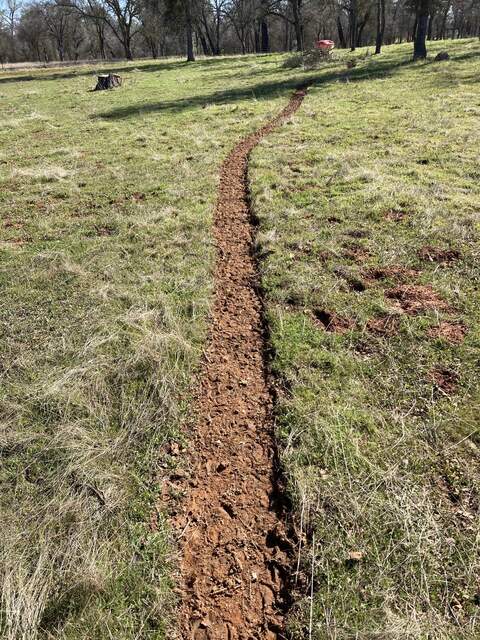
105,267
106,202
369,207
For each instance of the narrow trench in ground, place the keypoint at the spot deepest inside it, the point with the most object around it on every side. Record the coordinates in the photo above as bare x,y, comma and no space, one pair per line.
236,552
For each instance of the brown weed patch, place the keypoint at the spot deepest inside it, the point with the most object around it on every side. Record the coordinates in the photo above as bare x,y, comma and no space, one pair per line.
355,252
357,233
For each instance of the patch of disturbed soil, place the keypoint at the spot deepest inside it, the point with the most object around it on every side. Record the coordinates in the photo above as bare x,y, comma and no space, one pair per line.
444,379
452,332
355,251
396,215
331,321
391,272
354,282
235,549
384,326
357,233
436,254
414,299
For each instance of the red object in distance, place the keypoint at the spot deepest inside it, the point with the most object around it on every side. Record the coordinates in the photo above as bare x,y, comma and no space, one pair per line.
325,45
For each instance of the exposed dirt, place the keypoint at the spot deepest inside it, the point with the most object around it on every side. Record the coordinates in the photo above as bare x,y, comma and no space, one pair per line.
414,299
355,251
452,332
357,233
353,281
396,215
331,321
436,254
444,379
384,326
236,552
390,272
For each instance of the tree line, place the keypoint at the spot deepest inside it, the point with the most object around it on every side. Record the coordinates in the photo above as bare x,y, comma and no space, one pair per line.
59,30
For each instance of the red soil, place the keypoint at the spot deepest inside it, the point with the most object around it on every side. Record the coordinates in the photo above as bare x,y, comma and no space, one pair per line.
236,552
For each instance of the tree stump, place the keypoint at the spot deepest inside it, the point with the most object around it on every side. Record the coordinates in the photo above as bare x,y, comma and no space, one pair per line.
443,55
108,81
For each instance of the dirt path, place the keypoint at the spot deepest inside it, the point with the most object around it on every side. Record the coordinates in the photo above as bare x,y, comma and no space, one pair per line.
236,555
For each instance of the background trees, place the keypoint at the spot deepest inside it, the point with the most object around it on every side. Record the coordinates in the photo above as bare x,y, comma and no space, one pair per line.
47,30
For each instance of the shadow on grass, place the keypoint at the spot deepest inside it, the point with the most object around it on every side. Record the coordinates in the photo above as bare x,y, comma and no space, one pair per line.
375,67
261,90
104,67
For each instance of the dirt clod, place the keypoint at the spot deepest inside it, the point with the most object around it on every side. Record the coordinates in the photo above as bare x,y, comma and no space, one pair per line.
228,517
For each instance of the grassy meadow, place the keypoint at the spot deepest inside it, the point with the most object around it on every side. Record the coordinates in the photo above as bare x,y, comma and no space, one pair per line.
106,203
106,256
369,209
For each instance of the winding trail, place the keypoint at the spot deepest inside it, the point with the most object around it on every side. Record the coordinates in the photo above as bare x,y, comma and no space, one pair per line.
236,556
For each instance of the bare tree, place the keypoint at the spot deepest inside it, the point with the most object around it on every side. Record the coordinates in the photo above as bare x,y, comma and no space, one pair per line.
121,16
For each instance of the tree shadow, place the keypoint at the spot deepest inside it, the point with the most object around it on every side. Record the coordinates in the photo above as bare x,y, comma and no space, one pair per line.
260,90
105,67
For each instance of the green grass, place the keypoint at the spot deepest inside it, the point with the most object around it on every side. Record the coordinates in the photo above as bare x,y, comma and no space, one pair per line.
382,462
106,202
106,254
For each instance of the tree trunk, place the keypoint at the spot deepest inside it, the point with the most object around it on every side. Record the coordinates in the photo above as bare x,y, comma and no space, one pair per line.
217,35
361,27
101,38
297,23
265,37
189,32
353,24
430,26
444,21
257,39
341,34
419,48
204,44
108,81
380,26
